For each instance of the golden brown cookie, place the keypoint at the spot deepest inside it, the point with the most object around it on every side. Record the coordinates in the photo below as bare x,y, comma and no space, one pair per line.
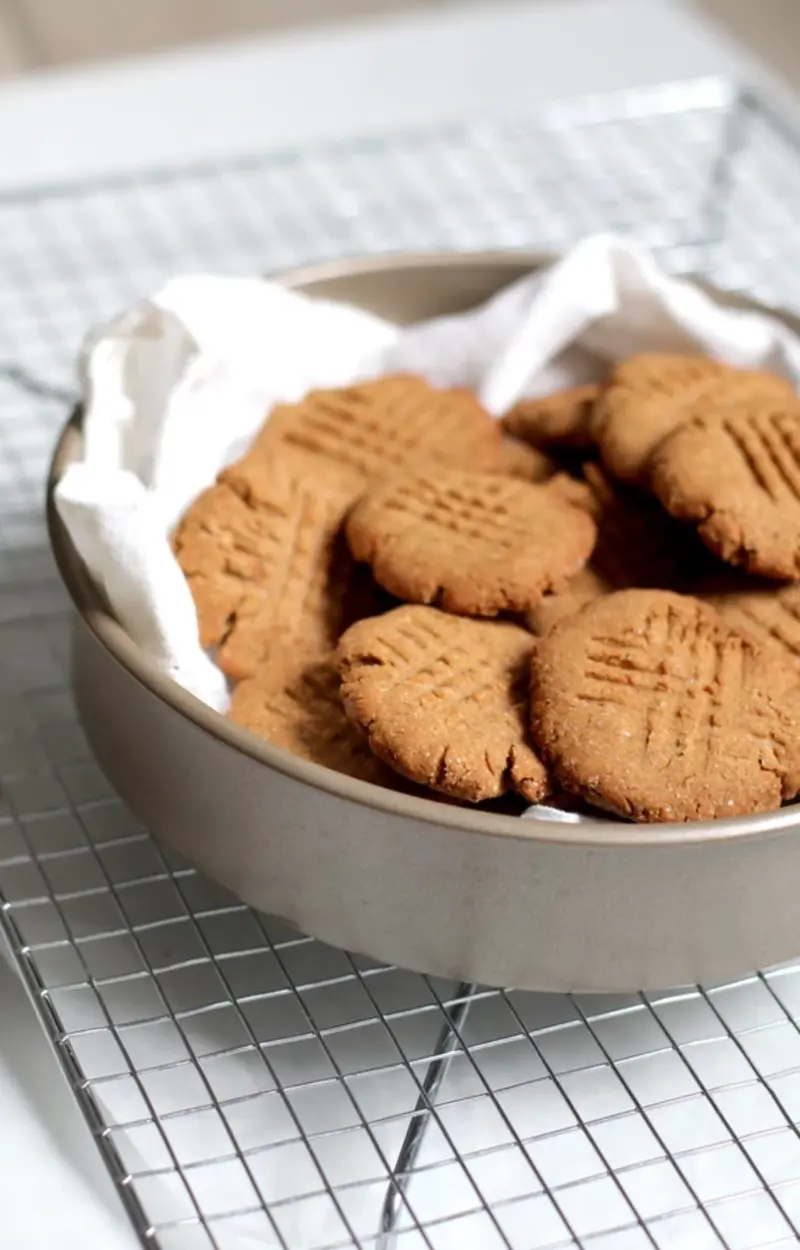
301,712
649,704
735,474
379,428
558,420
518,459
269,572
475,543
649,396
443,699
770,611
638,544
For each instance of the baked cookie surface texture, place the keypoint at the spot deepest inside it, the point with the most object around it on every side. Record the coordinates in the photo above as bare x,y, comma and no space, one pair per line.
475,544
444,699
648,704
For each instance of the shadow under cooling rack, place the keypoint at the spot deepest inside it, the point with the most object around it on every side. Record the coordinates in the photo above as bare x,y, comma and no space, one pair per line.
249,1086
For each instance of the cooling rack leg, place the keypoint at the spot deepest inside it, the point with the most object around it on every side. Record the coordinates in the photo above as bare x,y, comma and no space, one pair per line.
446,1044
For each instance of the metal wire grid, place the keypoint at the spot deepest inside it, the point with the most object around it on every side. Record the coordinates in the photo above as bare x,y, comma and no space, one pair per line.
645,163
253,1087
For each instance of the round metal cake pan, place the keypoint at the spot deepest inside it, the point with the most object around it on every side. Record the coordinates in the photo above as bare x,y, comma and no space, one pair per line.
435,888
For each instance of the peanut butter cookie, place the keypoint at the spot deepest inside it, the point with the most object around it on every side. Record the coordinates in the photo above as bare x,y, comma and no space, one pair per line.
443,700
376,429
649,704
735,474
476,544
269,572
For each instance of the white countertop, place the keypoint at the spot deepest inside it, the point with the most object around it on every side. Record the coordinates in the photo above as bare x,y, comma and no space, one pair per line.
199,105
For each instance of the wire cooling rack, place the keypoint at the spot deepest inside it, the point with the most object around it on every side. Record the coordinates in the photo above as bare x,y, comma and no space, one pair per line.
251,1087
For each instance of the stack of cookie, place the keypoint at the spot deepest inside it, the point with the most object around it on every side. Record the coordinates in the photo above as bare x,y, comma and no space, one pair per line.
411,593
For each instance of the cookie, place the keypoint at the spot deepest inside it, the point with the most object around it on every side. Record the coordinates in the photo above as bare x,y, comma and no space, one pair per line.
638,544
443,700
518,459
558,420
649,396
474,543
301,712
380,428
735,474
770,611
648,704
269,571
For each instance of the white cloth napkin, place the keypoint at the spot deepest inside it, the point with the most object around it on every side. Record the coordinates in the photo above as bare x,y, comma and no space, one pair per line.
177,387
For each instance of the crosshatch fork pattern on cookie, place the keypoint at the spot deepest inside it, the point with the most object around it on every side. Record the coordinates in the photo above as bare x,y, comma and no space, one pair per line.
444,699
441,671
769,444
380,426
688,700
480,510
